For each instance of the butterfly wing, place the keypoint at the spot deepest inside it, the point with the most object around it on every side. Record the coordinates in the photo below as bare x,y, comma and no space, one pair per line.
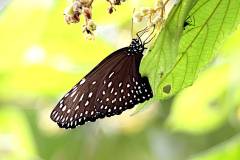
113,86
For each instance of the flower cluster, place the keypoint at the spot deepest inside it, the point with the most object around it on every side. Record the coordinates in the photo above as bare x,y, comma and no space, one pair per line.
84,7
113,3
154,16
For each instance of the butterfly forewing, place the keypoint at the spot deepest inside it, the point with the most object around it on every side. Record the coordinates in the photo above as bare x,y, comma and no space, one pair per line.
111,87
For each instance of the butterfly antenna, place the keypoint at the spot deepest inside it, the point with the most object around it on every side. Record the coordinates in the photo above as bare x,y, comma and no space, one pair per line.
150,39
132,23
142,32
147,40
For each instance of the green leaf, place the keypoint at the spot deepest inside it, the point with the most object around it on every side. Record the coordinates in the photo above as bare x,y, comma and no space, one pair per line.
178,55
205,111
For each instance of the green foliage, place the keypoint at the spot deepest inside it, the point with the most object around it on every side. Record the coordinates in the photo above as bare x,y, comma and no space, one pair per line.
227,150
179,55
207,100
17,141
192,125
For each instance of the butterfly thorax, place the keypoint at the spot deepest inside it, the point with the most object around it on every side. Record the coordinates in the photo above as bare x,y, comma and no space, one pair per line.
136,47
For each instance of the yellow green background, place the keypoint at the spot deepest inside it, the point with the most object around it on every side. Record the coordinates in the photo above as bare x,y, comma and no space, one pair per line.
41,57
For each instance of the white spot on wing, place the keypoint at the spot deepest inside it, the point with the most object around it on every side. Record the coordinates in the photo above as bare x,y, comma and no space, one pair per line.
75,98
55,115
82,81
90,95
109,84
69,110
64,108
81,97
75,115
57,118
120,84
112,90
111,75
77,107
86,103
113,101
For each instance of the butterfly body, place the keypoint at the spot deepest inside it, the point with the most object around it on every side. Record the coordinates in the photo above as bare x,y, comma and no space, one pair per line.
112,87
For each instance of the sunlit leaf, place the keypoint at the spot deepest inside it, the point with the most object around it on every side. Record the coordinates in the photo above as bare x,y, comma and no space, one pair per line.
178,55
200,108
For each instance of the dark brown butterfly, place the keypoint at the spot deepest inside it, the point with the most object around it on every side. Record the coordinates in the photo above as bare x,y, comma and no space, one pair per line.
113,86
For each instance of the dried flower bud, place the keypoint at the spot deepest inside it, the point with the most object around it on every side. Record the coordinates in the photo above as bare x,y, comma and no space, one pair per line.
87,12
85,3
77,6
157,19
71,16
145,11
91,25
112,4
115,2
137,17
84,7
155,15
111,9
159,4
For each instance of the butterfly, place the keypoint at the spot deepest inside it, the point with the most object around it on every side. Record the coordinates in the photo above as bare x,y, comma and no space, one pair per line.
112,87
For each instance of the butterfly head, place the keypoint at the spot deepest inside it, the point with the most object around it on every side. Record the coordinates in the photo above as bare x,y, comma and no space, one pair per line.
136,46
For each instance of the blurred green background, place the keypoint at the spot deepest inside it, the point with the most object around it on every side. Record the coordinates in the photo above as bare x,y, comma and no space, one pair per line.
41,58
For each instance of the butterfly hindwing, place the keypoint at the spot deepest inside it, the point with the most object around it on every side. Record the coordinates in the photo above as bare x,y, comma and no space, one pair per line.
111,87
